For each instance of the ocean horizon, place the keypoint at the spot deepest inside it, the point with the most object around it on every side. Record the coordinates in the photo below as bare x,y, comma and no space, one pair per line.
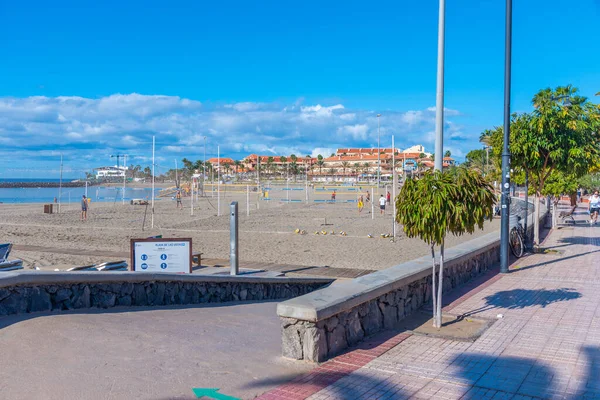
44,180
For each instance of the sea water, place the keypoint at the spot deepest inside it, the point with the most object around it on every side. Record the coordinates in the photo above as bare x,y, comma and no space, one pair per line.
70,194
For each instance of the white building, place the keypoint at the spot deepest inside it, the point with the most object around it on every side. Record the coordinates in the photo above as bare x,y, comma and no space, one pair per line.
415,149
110,172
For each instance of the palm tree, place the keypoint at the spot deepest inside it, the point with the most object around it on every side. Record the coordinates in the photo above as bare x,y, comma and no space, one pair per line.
147,172
345,165
447,153
422,155
294,169
356,169
365,167
320,164
270,162
439,203
188,167
238,166
227,167
283,160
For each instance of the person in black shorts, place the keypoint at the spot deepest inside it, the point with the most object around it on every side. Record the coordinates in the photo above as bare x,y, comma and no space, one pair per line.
382,202
178,198
84,208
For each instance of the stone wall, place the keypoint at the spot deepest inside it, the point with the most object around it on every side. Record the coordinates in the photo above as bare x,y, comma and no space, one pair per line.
321,324
26,296
319,340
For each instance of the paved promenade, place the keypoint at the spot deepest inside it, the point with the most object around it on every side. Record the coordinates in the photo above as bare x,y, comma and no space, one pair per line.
545,345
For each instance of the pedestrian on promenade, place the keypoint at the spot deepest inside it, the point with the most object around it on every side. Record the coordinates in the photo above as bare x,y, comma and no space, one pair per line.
389,196
594,207
84,208
333,196
382,202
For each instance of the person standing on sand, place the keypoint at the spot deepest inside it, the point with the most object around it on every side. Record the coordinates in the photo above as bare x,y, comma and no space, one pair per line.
178,197
84,208
382,205
368,196
361,204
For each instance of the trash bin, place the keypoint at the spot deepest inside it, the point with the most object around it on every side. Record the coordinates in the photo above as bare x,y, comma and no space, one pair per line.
47,208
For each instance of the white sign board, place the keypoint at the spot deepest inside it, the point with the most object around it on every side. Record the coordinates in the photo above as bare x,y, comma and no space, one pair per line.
162,255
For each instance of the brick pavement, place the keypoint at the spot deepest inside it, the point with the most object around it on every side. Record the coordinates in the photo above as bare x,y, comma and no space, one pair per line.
545,345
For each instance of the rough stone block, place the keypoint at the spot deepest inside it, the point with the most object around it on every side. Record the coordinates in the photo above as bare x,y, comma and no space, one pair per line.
139,295
39,300
390,315
291,342
83,298
124,301
13,304
4,293
354,331
373,321
126,289
63,294
104,300
336,341
314,344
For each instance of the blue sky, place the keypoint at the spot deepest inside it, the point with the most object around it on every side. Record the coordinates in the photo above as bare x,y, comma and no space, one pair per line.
89,79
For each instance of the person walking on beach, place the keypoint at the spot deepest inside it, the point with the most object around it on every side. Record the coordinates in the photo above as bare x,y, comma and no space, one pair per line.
333,196
594,207
382,202
368,197
361,204
178,198
84,208
389,196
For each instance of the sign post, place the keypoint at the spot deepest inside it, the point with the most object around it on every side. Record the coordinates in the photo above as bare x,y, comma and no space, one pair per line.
171,255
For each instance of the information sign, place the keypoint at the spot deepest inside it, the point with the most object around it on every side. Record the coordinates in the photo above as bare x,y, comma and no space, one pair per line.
161,255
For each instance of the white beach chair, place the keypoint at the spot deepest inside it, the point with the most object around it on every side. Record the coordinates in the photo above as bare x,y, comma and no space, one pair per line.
5,263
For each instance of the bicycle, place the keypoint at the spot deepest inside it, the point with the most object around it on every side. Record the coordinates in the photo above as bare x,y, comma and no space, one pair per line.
516,239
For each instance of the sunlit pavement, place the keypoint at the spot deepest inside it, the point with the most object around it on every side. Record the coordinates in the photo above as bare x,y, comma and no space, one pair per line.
544,342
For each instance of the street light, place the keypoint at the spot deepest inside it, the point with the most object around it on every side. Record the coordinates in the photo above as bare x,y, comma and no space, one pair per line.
505,199
204,170
378,151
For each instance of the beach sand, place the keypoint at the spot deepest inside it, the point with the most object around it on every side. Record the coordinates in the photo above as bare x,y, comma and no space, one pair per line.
267,235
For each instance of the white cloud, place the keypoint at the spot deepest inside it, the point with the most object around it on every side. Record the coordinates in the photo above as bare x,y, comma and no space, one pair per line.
356,132
36,130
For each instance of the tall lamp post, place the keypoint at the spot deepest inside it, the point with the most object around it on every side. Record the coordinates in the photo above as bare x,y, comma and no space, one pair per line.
378,152
504,225
204,170
439,98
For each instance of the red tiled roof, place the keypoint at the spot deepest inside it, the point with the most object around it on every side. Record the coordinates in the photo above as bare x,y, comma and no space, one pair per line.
357,158
224,160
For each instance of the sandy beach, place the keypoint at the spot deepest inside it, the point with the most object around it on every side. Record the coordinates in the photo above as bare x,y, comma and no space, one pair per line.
266,235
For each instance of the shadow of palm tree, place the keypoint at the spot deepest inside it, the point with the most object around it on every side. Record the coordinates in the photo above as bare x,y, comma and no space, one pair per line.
521,298
484,373
590,385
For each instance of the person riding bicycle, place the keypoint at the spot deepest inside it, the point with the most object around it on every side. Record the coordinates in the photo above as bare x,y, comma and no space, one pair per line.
594,207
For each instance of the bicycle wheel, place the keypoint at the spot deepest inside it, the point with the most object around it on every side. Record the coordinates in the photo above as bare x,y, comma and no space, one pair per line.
516,243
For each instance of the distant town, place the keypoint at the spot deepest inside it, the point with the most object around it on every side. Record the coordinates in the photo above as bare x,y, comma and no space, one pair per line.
346,164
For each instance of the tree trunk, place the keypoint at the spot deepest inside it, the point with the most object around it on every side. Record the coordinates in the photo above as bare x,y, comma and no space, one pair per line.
433,292
438,317
536,221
